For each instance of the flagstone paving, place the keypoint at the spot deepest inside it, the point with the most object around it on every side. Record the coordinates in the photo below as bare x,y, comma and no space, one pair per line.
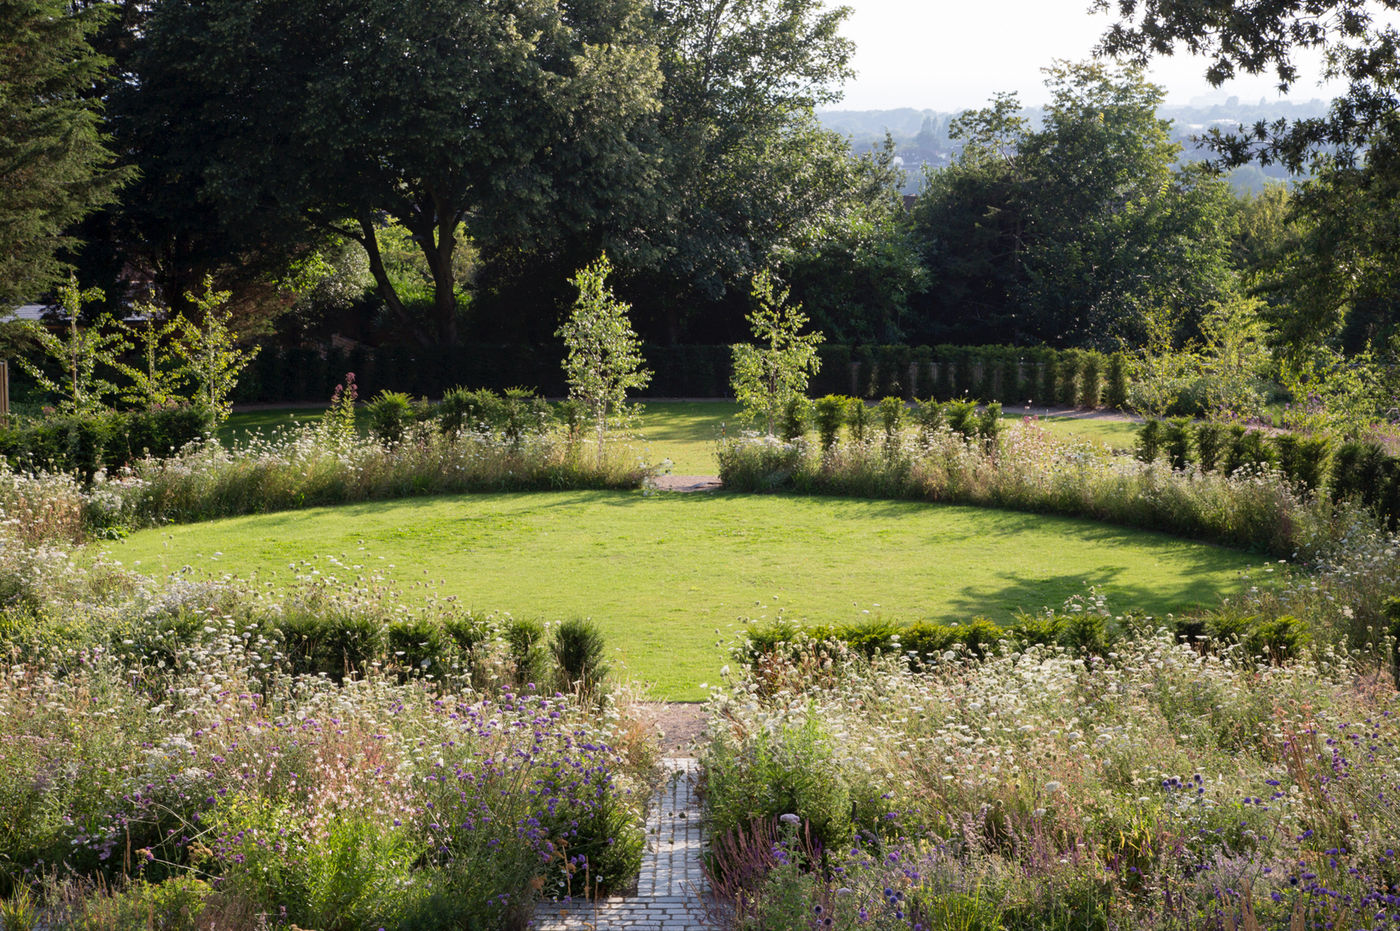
671,889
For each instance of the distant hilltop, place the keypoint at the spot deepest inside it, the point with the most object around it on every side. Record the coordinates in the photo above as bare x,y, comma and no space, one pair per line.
921,136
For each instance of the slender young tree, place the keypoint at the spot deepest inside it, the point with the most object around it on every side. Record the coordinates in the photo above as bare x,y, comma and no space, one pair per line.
208,348
81,352
767,376
604,358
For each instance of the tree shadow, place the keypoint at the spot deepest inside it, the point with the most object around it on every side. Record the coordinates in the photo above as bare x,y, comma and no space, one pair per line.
1010,593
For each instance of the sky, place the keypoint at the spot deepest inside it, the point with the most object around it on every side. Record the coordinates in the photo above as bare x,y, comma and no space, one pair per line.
940,55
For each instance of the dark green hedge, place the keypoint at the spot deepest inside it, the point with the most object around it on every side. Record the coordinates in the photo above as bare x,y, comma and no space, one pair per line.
1353,470
1009,374
82,444
282,375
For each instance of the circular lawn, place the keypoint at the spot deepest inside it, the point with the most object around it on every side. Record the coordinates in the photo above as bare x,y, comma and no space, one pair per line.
669,577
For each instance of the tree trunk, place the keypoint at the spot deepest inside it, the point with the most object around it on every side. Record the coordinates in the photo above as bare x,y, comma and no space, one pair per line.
673,322
383,285
439,256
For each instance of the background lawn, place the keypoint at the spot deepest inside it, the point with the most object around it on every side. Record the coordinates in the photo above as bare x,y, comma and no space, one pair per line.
242,426
668,576
1113,432
686,431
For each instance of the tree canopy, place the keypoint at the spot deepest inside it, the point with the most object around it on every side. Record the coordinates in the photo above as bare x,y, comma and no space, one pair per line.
1071,232
743,165
505,120
53,164
1360,48
1338,276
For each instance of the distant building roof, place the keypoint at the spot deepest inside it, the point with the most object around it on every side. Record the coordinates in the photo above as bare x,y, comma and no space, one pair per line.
37,312
33,312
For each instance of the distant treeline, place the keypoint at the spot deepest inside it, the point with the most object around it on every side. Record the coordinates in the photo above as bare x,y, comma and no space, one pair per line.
921,137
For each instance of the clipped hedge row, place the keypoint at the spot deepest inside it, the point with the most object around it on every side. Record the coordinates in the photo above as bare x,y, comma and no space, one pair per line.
1353,470
83,444
1084,634
568,656
1009,374
890,416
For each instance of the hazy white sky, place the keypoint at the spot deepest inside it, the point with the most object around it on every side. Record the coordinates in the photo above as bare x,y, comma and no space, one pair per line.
949,56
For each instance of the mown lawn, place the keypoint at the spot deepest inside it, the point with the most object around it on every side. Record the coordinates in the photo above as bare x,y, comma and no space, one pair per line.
669,576
243,426
1116,433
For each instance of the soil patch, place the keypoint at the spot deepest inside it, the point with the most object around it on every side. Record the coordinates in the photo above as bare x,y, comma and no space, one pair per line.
679,725
686,483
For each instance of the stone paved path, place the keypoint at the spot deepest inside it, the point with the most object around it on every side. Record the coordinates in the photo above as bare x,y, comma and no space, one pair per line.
672,883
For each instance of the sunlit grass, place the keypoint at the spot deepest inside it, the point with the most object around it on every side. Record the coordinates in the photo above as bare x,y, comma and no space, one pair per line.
668,576
1112,431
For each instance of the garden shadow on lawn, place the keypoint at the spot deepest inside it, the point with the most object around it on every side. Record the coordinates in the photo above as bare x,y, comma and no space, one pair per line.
1013,592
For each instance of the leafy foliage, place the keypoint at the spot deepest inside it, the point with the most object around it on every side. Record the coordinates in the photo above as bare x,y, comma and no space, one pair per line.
207,349
579,650
744,167
79,353
1360,48
1339,395
54,167
84,443
604,358
390,416
337,426
768,376
1073,232
514,119
1332,278
1220,376
1338,268
157,380
856,268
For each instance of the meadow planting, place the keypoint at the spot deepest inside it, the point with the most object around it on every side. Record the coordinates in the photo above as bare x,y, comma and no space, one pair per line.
968,457
376,669
205,754
1236,767
340,753
480,442
1155,785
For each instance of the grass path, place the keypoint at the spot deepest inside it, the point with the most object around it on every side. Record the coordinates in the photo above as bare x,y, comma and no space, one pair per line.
668,576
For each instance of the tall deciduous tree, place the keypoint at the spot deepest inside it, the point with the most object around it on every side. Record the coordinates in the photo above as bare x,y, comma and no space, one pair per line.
1115,228
855,269
1335,277
53,165
744,167
1340,279
505,119
1070,232
970,223
171,228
